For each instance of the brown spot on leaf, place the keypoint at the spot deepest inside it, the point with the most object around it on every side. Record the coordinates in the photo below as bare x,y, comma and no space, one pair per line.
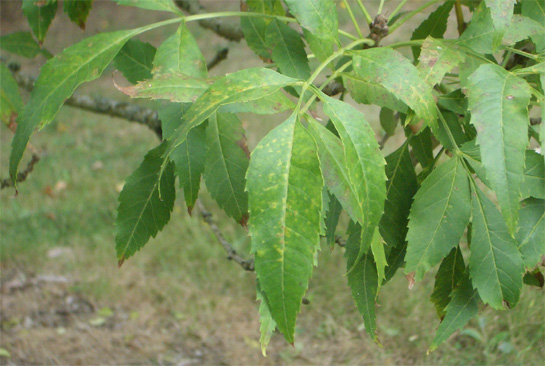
410,278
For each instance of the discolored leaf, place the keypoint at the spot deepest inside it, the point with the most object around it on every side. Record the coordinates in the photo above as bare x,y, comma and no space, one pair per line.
438,218
318,16
78,10
270,104
498,102
141,214
39,16
531,231
437,58
284,217
134,60
495,262
522,27
447,278
20,43
535,9
501,12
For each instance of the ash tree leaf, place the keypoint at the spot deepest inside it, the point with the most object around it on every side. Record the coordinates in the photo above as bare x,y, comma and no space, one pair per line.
254,28
270,104
226,165
364,161
284,185
20,43
332,219
78,10
454,127
495,263
266,321
498,102
434,26
141,214
531,231
134,60
59,77
389,69
10,98
173,87
522,27
439,215
448,276
322,48
463,306
362,279
180,53
379,255
288,50
189,159
535,9
481,35
436,59
161,5
317,16
400,190
534,176
39,17
388,121
501,12
422,147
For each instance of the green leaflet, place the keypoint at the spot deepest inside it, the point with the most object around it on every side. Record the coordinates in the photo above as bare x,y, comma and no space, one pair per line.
254,28
521,28
241,86
162,5
141,214
436,59
189,158
501,12
455,101
20,43
332,219
446,280
422,146
480,35
542,130
498,102
134,60
377,248
267,323
434,26
388,121
495,263
534,278
180,53
388,68
39,17
58,79
535,9
400,189
288,50
463,306
322,48
174,87
454,127
364,161
318,16
439,216
270,104
531,231
10,99
534,176
284,218
362,279
78,10
226,164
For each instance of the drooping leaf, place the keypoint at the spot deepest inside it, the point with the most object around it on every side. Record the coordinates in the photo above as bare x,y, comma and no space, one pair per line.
522,27
141,214
288,50
439,216
180,53
434,26
389,69
332,219
437,58
226,164
173,87
318,16
161,5
448,276
362,279
400,189
10,98
501,12
58,79
134,60
535,9
534,176
531,231
495,262
284,217
20,43
462,307
267,323
78,10
39,16
480,35
498,101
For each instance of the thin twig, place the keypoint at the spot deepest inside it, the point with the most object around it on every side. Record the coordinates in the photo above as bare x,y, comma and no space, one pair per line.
22,176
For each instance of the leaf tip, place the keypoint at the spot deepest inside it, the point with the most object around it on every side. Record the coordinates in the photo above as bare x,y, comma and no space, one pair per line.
189,210
120,262
244,221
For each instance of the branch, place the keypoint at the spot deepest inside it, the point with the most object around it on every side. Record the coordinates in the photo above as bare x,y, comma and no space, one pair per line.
228,31
22,176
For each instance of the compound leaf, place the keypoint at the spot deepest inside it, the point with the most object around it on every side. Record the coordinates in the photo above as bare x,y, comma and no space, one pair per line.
531,231
438,218
318,16
134,60
141,214
498,101
284,217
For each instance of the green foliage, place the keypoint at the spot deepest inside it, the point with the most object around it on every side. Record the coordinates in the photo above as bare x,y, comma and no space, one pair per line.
464,104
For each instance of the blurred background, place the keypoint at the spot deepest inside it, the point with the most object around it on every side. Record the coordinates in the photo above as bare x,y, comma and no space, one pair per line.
180,301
